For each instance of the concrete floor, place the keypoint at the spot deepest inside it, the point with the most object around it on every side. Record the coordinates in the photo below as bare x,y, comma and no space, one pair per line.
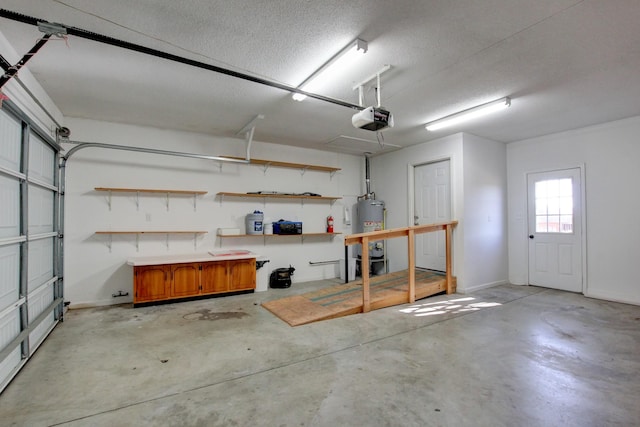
504,356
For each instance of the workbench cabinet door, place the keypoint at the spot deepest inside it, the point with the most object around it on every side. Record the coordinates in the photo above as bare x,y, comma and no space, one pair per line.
215,277
242,274
185,280
151,283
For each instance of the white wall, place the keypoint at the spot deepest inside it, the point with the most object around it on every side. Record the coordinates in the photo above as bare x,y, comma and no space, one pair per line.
392,181
93,273
609,154
478,190
485,213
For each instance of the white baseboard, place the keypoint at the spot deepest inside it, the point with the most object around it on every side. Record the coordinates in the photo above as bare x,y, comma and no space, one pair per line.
101,303
613,298
475,288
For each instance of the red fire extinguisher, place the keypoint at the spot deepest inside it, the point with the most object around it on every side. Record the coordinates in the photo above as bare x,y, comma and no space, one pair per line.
329,224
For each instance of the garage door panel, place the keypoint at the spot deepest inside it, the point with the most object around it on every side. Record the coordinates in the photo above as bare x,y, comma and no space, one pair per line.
9,365
41,160
29,239
41,331
9,275
9,207
11,146
9,330
38,302
40,263
41,205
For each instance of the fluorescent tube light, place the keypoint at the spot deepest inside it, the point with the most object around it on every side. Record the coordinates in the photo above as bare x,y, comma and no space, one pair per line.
333,68
471,113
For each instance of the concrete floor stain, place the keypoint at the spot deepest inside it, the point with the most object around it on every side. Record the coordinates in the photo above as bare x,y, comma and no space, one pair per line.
206,314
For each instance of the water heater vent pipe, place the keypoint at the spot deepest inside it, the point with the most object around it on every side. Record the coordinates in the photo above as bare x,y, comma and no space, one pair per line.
369,194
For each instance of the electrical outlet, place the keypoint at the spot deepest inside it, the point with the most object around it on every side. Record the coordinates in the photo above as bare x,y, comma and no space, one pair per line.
148,217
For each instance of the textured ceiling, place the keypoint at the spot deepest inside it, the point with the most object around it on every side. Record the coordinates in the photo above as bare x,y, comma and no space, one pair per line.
565,64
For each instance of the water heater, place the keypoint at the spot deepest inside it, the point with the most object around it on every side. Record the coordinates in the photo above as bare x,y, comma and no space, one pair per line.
370,217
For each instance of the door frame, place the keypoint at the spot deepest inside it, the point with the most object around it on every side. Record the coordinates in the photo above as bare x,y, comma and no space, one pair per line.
583,218
411,187
413,193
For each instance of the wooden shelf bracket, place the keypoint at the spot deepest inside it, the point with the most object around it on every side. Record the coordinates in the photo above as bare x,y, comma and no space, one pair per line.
137,191
139,232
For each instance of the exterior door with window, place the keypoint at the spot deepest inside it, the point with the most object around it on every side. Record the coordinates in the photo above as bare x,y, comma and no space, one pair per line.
555,229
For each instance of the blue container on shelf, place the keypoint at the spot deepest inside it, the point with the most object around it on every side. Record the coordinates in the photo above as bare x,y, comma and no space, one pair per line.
287,227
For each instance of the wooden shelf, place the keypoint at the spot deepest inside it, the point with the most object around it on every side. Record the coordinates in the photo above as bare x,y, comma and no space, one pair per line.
153,232
278,196
277,235
148,190
302,166
137,191
110,233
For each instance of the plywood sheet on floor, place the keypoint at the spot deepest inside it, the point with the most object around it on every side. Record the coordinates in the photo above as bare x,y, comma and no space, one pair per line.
345,299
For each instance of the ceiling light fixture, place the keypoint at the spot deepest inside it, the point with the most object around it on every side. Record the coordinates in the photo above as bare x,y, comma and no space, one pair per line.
335,66
469,114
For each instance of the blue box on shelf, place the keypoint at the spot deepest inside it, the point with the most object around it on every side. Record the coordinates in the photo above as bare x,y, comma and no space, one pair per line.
287,227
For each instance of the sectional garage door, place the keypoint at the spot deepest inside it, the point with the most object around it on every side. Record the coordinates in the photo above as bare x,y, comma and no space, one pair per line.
31,301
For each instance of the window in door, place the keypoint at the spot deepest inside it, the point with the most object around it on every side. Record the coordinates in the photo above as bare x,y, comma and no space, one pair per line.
554,206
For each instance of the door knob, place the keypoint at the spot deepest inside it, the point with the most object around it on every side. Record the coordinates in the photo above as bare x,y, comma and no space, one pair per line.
531,236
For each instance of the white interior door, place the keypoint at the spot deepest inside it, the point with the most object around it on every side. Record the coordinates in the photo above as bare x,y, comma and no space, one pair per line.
432,203
555,229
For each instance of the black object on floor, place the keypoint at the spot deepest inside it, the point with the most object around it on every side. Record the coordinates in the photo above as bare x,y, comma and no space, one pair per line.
281,277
